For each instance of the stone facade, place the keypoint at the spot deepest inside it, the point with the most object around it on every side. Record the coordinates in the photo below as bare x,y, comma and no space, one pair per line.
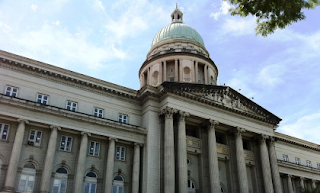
180,136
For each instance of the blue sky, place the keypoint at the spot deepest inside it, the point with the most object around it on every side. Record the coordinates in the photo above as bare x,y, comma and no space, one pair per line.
109,40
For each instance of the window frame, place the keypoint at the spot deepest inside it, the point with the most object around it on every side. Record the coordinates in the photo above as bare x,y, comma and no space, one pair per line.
29,172
42,99
119,158
34,140
90,181
12,87
2,129
71,106
66,143
299,161
121,120
318,166
310,163
94,112
285,157
60,177
94,148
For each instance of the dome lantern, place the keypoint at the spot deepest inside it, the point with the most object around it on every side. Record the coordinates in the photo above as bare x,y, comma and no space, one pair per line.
177,15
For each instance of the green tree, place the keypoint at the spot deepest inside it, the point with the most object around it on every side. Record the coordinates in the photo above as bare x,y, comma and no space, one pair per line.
272,14
316,190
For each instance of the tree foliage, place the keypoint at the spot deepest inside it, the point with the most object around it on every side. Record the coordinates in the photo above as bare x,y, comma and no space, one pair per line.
315,190
272,14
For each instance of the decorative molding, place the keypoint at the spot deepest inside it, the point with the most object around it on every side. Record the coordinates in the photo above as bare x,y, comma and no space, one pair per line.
23,120
168,112
222,149
183,115
193,142
113,138
248,155
55,127
138,144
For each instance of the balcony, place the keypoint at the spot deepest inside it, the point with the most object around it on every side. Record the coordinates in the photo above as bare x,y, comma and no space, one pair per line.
193,142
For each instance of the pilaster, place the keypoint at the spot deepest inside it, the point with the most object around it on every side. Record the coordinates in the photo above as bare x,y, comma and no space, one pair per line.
268,186
110,165
274,167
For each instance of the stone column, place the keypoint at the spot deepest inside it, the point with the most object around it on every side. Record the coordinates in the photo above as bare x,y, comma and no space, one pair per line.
314,184
160,73
205,74
15,156
169,167
302,183
136,168
192,74
176,70
180,71
197,73
274,167
268,186
208,75
164,71
149,77
81,166
110,165
182,153
241,165
290,188
213,157
48,163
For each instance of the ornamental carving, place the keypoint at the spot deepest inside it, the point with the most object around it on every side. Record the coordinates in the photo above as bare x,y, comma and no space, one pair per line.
168,112
248,155
183,115
222,149
212,124
238,131
193,142
263,138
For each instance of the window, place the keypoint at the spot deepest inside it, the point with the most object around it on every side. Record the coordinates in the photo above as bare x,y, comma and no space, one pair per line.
72,106
120,154
171,79
171,70
60,181
90,185
94,148
297,160
43,99
285,158
318,166
26,182
188,161
98,112
4,130
191,187
66,143
123,118
34,137
308,163
117,186
11,91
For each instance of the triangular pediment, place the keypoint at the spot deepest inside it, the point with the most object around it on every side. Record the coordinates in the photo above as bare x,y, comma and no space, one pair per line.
224,97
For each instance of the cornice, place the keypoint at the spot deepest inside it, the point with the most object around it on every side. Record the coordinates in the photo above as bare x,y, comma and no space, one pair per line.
298,167
296,141
67,77
22,103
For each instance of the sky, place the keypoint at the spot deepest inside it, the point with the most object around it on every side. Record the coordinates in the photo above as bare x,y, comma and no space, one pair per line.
109,40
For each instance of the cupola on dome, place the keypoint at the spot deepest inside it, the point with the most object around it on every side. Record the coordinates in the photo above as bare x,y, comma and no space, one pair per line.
177,30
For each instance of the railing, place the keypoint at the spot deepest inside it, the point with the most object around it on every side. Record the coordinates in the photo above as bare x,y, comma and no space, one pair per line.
298,165
21,100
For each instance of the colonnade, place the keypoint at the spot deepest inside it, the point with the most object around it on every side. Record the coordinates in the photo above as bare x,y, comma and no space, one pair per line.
81,164
178,72
269,166
301,184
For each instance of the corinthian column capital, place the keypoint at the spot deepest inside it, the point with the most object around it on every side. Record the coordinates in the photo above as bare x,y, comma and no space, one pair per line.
183,115
239,131
23,120
168,112
138,144
55,127
113,139
263,138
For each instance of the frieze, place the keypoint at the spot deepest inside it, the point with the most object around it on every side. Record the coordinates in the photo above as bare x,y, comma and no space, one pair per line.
248,155
222,149
193,142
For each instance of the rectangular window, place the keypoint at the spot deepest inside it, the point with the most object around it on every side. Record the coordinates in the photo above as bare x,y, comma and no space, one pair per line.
34,137
98,112
285,158
90,187
11,91
26,183
59,186
297,160
66,143
4,130
123,118
72,106
171,79
43,99
318,166
121,153
308,163
94,148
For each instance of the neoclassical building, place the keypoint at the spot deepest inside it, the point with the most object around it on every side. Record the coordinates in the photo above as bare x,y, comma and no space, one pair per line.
65,132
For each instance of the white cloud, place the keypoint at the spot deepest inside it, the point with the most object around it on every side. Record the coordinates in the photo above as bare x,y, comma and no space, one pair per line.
57,22
239,26
309,123
224,10
271,75
34,7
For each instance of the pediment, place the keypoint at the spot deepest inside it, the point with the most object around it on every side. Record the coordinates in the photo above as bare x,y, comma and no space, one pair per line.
224,97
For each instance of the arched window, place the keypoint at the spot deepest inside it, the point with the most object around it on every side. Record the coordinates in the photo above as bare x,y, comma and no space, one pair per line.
186,74
155,78
27,178
117,186
212,80
90,185
60,181
191,186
